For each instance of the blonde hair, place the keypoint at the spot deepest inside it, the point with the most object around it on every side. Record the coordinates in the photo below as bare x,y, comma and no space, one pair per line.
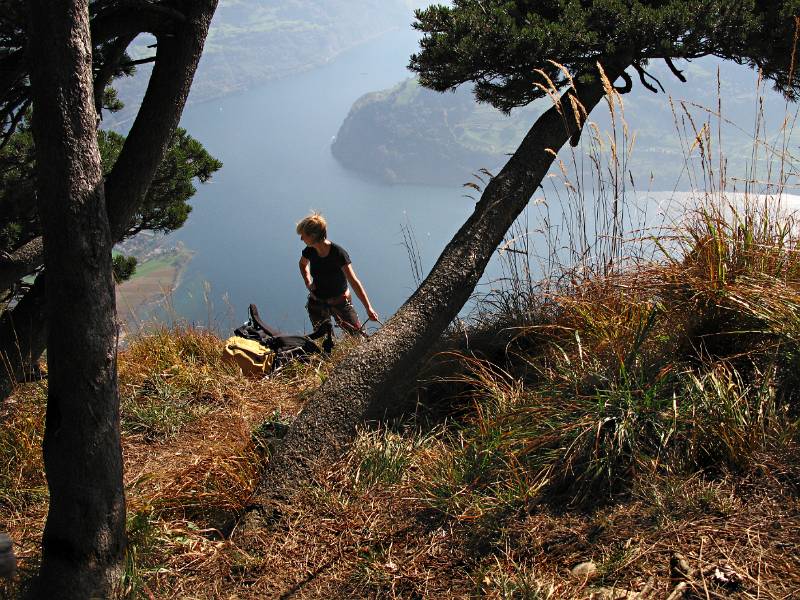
315,226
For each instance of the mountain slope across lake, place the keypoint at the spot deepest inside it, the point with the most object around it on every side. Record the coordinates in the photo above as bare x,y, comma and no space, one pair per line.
409,134
253,41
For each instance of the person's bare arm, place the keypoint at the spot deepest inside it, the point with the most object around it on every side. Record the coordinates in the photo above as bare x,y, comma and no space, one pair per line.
305,272
358,288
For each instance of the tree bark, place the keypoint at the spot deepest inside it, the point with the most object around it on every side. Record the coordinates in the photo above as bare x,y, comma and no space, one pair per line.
83,544
23,261
176,62
361,387
25,330
179,49
84,538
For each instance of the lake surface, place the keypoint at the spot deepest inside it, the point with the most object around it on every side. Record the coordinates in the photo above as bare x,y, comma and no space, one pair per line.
275,142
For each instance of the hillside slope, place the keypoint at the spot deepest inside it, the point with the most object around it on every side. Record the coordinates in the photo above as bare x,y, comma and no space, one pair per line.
253,41
628,432
409,134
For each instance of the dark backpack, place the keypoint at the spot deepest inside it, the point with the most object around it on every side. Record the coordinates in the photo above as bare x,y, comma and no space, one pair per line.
286,347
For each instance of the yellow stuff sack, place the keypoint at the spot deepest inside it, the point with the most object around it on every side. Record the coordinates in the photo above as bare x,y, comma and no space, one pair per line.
250,356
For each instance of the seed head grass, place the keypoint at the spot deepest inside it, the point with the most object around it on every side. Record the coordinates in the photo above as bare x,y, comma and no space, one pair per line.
625,394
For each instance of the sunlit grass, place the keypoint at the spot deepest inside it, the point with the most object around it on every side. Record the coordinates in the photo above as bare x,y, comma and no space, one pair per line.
645,381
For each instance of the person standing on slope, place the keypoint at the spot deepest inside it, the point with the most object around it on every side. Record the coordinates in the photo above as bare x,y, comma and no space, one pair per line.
326,270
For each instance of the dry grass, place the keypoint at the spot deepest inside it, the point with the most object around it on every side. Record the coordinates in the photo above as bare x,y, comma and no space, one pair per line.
338,540
23,489
191,462
622,398
497,500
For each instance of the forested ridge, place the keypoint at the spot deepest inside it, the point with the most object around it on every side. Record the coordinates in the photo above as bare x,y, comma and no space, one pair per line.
252,41
410,134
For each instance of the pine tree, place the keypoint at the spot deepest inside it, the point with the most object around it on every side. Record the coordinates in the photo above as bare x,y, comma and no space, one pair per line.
60,56
160,206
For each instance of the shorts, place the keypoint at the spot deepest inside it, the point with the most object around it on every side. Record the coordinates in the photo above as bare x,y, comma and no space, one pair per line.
340,308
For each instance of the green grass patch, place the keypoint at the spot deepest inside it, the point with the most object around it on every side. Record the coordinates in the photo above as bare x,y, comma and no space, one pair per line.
157,264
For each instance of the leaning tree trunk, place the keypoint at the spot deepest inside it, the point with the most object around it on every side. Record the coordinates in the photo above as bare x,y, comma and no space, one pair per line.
84,538
362,385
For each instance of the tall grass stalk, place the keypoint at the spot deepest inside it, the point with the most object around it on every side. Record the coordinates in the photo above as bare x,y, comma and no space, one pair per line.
639,348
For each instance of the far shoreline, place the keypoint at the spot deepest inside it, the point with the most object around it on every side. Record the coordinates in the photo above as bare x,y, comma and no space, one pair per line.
153,283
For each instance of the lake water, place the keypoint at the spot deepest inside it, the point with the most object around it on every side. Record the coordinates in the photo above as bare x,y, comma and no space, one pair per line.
275,142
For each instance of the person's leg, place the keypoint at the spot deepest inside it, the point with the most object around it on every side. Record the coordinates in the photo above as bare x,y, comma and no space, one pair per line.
347,317
318,312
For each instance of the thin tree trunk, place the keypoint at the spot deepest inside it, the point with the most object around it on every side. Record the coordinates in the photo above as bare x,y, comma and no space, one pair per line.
23,335
23,261
178,55
361,387
83,544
